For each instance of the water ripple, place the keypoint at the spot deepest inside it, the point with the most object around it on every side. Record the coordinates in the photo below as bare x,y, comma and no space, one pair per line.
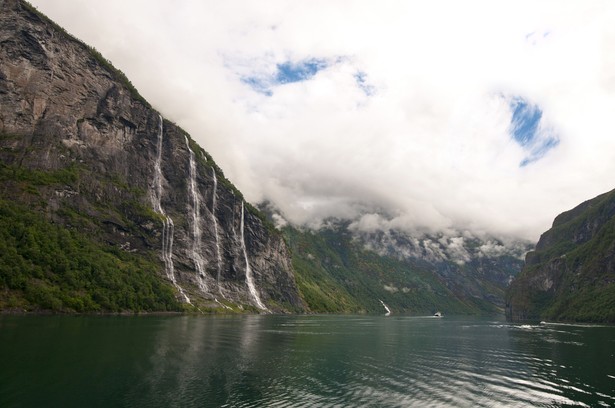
313,361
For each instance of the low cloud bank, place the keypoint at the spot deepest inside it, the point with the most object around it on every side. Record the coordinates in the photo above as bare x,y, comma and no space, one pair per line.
419,117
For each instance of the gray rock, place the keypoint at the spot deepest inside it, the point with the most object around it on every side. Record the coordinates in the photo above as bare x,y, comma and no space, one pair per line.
64,108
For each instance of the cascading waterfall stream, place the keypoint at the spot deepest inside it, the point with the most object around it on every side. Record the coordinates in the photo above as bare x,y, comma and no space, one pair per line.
249,279
199,263
215,220
167,223
385,308
218,253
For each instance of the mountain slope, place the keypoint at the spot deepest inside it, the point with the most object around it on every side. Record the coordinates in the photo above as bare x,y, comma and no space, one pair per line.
107,206
571,274
96,189
339,270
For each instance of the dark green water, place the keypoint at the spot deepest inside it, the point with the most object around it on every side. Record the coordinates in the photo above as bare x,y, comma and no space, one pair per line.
301,361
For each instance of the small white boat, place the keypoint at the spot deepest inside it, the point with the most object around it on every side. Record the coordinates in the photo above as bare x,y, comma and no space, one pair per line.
437,314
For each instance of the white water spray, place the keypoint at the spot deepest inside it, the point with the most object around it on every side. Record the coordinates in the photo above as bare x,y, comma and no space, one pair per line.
199,263
167,223
215,220
385,308
217,236
249,279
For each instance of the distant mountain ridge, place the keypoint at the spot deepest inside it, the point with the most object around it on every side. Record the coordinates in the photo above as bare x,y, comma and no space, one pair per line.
571,274
341,269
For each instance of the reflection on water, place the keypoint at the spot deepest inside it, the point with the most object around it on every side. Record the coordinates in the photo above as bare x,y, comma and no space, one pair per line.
302,361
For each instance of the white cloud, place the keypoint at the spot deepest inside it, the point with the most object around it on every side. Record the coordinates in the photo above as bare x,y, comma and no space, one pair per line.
391,288
492,249
429,148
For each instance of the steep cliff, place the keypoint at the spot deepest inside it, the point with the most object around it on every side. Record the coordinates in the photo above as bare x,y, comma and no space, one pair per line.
571,274
86,161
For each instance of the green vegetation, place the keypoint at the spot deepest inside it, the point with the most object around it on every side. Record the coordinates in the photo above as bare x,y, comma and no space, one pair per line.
12,173
65,266
569,227
44,266
577,256
337,275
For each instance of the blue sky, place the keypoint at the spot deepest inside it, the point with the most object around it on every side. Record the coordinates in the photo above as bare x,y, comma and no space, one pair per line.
288,72
529,130
363,83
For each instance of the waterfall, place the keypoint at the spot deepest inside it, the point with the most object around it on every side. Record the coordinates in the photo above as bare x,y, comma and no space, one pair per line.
217,236
196,223
249,279
167,223
215,220
218,253
385,308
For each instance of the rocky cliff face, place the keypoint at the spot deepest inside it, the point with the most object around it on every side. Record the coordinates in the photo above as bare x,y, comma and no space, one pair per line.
571,274
113,168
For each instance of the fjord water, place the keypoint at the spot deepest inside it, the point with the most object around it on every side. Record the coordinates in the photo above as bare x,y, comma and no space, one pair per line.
301,361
